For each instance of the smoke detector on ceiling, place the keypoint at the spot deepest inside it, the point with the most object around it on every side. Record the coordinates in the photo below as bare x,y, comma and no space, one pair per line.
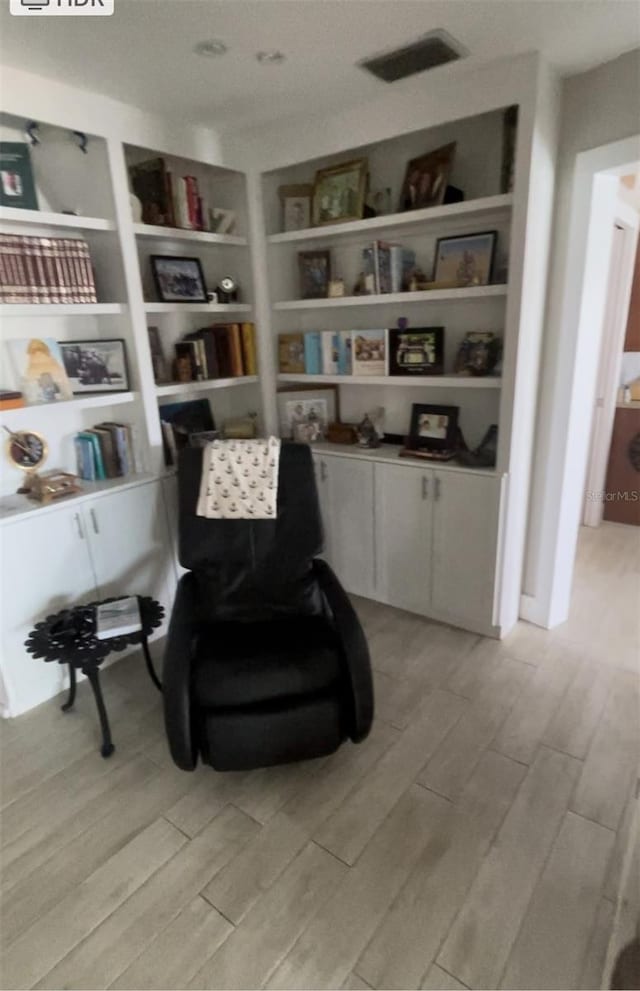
433,49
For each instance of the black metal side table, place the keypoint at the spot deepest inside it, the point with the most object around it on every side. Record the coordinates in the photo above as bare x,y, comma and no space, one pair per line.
68,637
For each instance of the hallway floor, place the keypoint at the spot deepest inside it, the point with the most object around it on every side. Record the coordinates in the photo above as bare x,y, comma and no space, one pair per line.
475,840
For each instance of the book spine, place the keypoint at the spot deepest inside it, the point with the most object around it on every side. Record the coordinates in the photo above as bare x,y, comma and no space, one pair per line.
119,436
202,358
223,349
369,270
50,270
208,338
192,200
56,252
89,282
183,203
249,356
329,363
170,199
67,270
86,458
344,352
79,291
237,367
312,353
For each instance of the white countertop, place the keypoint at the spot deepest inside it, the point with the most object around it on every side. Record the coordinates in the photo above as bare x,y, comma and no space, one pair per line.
390,454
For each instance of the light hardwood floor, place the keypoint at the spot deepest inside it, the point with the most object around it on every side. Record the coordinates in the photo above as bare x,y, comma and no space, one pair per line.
476,839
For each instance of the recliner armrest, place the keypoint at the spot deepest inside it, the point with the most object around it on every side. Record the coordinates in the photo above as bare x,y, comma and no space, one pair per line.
354,646
176,675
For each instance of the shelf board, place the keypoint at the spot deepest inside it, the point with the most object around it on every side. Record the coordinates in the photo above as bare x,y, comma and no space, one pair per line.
16,507
402,381
45,218
60,309
175,388
178,234
393,298
437,214
79,402
198,307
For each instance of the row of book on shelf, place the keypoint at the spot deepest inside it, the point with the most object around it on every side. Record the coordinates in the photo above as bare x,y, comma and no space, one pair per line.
106,451
220,350
406,351
45,270
168,200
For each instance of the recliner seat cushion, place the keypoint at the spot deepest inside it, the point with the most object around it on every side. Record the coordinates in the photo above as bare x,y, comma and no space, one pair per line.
246,664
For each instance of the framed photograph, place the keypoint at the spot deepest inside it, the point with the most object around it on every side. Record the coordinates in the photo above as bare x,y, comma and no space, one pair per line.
433,428
466,260
426,179
369,352
179,280
416,351
39,370
315,273
296,206
304,413
339,192
96,366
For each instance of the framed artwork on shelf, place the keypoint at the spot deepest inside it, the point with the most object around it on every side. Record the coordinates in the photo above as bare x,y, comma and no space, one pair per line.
465,260
315,273
433,428
40,370
426,179
416,351
296,206
96,366
339,192
17,188
304,413
179,280
369,352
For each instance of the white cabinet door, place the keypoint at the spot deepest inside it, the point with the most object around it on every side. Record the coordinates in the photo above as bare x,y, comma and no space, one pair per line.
130,544
322,485
350,523
403,508
465,536
45,567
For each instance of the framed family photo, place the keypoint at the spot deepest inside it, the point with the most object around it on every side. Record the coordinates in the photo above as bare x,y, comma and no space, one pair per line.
296,206
96,366
179,280
426,179
433,428
339,193
315,273
304,413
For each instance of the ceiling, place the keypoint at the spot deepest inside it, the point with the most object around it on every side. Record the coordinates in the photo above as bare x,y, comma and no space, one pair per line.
143,54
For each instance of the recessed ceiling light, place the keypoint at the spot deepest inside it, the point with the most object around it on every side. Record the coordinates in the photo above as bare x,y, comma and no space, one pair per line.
271,58
211,48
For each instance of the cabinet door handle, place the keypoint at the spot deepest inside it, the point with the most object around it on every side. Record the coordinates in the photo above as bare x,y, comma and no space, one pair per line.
437,492
76,517
323,471
94,521
425,487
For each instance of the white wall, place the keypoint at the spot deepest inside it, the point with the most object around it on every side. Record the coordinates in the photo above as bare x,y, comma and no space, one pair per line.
598,107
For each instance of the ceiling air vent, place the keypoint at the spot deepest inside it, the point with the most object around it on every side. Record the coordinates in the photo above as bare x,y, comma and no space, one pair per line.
433,49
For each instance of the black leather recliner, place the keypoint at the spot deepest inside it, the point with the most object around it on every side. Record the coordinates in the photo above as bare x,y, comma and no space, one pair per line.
266,661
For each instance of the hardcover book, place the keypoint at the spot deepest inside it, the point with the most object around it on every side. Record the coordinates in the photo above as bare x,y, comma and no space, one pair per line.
313,353
17,188
369,352
344,352
149,183
291,354
249,356
329,353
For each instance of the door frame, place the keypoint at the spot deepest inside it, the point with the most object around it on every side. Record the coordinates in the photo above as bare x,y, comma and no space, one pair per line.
623,252
572,350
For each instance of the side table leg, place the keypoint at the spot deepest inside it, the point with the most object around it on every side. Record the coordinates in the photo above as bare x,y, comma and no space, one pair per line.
72,690
149,663
107,747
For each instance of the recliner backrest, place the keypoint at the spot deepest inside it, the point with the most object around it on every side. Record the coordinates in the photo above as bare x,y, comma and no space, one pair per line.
252,568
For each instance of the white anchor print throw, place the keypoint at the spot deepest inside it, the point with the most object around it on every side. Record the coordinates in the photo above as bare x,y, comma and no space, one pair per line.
239,480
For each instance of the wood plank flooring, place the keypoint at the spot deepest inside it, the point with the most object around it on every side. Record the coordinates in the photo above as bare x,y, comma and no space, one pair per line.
475,840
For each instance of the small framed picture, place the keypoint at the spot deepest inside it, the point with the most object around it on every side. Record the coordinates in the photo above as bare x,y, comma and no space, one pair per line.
315,273
179,280
433,428
296,206
416,351
426,179
339,192
96,366
304,414
466,260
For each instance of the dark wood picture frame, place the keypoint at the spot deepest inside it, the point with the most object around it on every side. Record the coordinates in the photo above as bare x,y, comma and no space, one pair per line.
438,275
413,364
314,285
72,350
426,179
420,440
163,296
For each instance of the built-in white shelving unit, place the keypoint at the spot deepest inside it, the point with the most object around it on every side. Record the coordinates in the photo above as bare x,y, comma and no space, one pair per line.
94,401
